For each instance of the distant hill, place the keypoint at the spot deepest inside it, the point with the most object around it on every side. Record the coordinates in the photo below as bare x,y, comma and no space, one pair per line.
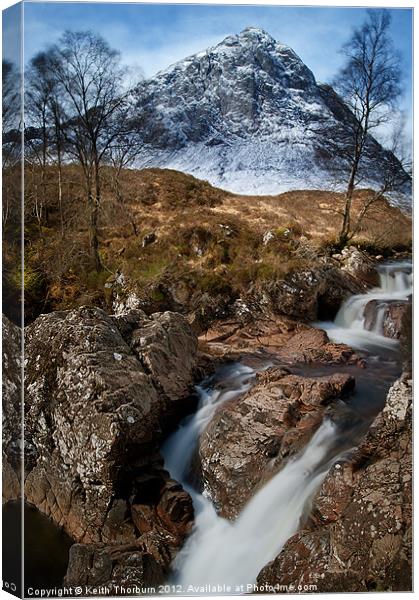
248,116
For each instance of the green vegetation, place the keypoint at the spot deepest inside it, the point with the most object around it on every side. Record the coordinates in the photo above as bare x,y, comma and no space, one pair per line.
175,238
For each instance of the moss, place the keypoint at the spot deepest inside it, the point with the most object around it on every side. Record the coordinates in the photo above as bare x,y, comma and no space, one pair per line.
157,295
35,284
214,283
152,269
95,280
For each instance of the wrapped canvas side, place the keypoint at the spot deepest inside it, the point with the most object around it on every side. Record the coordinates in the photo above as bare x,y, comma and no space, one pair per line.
12,166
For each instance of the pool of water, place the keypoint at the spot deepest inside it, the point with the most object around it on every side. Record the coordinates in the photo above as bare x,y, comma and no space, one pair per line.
46,547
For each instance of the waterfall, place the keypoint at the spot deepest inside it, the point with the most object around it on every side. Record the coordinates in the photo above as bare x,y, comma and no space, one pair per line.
349,324
231,554
220,552
230,381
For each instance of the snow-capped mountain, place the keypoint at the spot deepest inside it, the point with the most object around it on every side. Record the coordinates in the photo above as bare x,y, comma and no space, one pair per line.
248,116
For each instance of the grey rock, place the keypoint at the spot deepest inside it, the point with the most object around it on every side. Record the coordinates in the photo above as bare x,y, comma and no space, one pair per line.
95,408
12,411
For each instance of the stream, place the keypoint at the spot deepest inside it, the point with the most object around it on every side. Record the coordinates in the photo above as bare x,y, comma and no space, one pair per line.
224,557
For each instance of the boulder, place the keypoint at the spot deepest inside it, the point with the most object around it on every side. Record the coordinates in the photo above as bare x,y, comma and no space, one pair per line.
310,294
162,521
359,536
359,265
12,412
125,570
100,390
288,340
249,438
385,318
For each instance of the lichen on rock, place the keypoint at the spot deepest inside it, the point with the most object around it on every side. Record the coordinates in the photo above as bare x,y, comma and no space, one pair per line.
359,536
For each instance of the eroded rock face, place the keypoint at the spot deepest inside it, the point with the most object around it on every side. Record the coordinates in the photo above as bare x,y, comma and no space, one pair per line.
289,340
161,522
313,294
361,524
385,318
12,414
249,439
99,389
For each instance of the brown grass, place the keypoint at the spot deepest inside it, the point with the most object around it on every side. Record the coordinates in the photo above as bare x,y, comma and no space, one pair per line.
206,237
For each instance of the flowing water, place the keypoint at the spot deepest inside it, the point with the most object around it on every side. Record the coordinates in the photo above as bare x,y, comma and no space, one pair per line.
224,553
220,552
348,326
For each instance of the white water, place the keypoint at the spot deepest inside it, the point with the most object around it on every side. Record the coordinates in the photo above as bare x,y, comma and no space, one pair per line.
224,553
220,552
348,326
181,445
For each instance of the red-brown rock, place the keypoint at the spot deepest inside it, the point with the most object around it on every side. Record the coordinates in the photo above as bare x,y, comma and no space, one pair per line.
249,439
361,526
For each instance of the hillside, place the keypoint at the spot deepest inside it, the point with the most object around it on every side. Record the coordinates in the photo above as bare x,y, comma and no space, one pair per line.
249,116
174,231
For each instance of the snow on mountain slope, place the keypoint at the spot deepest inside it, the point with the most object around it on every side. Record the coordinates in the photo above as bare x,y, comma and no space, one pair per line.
248,116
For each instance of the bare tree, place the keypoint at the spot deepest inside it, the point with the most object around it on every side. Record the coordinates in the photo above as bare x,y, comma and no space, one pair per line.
369,84
124,149
38,90
11,138
10,97
91,78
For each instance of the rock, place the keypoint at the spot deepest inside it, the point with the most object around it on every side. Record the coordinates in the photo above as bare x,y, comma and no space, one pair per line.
11,403
307,295
310,294
161,526
385,317
359,265
288,340
268,236
100,389
393,319
172,511
93,568
166,348
175,509
148,239
361,526
249,439
312,345
406,339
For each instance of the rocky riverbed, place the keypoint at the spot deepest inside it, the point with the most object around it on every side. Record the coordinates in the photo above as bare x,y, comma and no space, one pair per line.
104,391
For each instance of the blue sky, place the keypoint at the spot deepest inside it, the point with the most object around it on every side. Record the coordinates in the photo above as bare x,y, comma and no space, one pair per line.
151,37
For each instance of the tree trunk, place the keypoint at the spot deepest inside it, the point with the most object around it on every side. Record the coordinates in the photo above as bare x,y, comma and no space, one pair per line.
94,215
60,191
344,235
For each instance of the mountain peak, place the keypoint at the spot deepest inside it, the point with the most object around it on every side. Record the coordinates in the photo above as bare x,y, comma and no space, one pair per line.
256,32
246,114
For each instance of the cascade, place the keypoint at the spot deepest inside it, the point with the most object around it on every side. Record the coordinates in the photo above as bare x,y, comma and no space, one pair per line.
221,552
349,324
